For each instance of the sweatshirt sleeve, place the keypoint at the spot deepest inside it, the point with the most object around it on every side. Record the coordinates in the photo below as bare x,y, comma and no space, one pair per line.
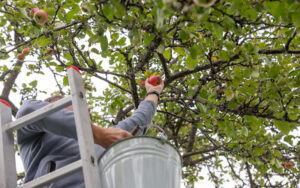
141,117
60,122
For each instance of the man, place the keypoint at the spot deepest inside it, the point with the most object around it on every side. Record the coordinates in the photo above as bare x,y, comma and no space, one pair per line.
50,143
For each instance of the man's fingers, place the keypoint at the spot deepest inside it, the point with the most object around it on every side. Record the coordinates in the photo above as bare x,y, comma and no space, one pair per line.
126,134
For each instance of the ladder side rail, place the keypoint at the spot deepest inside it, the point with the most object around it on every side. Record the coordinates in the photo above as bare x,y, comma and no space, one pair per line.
38,114
57,174
84,131
8,174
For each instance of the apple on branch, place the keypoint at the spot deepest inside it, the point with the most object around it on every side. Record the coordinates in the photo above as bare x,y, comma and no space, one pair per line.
21,56
41,17
50,51
26,51
288,164
155,80
32,11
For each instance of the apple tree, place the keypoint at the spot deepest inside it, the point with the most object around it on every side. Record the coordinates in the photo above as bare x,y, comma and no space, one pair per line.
231,70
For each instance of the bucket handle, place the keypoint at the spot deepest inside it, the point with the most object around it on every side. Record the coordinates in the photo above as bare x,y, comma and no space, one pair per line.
163,134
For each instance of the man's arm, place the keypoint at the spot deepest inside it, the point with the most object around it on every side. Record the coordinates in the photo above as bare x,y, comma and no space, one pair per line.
141,117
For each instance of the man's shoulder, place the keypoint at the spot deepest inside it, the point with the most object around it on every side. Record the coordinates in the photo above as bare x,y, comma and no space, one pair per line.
29,106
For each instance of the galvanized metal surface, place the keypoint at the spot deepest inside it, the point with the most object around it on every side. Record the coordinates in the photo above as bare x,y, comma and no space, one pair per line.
141,162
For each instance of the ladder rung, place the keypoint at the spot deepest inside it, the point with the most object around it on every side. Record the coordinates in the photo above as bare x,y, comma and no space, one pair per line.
38,114
59,173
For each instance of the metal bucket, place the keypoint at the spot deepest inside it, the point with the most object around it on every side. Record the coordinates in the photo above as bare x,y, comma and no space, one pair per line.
140,162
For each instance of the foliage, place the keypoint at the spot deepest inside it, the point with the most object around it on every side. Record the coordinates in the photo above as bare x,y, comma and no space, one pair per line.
231,72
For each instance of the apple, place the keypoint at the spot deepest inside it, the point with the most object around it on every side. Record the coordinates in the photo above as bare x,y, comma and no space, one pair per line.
21,56
155,80
32,11
50,51
288,164
142,83
26,51
41,17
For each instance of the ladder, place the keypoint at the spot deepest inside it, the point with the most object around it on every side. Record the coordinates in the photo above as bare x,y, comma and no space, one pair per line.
88,162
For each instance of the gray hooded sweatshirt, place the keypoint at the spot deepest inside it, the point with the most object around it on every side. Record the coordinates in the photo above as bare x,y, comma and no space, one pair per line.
51,142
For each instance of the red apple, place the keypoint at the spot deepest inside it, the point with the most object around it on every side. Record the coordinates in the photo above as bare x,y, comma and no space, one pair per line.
50,51
21,56
288,164
26,51
41,17
155,80
32,11
142,83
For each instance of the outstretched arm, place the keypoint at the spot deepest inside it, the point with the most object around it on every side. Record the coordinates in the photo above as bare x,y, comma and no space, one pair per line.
141,117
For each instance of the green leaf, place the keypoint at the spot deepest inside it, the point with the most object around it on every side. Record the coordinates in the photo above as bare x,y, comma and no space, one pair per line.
65,81
122,41
148,38
274,8
120,9
229,95
224,55
70,15
201,107
95,50
191,63
289,139
167,53
108,12
183,35
259,151
43,41
33,83
274,71
180,51
194,51
284,127
68,56
104,43
295,18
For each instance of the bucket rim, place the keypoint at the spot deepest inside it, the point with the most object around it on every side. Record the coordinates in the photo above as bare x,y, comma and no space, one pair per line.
133,137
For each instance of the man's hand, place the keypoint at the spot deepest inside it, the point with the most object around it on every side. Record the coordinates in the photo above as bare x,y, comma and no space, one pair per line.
157,88
106,137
